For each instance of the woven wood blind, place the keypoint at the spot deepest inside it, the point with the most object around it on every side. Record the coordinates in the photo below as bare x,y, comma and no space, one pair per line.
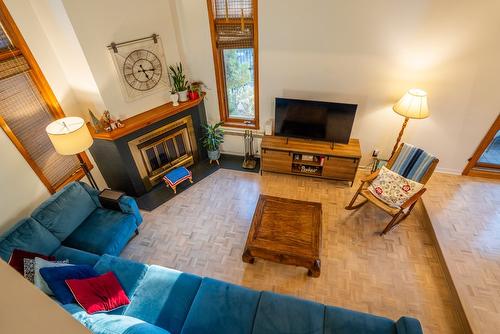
234,8
228,15
26,113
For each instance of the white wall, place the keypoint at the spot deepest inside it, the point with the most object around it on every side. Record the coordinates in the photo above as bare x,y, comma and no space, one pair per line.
370,53
98,23
21,188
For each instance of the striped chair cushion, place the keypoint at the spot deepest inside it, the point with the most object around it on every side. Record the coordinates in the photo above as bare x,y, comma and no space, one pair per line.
412,162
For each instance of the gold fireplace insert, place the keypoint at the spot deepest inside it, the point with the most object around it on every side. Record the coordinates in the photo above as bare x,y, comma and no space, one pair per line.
164,149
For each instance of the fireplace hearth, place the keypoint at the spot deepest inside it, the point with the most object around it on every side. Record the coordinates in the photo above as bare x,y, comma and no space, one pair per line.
133,159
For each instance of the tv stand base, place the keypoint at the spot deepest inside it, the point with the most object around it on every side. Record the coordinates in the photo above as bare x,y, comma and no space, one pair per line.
314,158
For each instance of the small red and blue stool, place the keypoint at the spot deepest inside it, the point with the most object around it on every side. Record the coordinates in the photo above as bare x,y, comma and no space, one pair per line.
176,176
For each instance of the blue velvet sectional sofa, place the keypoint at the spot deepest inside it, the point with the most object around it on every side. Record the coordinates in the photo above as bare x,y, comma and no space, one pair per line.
73,225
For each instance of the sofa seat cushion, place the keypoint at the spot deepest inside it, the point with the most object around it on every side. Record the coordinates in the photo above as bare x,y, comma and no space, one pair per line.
105,323
30,236
342,321
285,314
75,256
64,211
103,232
222,308
164,298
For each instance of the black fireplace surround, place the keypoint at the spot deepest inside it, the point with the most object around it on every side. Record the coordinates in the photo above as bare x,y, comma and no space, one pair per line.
115,161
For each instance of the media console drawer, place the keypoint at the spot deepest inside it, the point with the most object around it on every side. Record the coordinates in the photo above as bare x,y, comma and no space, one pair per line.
276,161
310,158
340,168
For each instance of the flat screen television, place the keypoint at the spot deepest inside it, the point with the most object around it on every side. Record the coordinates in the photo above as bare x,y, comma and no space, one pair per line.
327,121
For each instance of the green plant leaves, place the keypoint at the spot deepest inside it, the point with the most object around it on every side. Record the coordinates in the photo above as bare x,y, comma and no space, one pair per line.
179,79
213,136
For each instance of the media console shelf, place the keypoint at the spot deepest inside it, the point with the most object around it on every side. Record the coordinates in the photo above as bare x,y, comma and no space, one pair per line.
310,158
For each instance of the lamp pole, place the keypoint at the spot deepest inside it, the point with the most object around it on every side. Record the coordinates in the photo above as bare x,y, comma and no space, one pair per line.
399,137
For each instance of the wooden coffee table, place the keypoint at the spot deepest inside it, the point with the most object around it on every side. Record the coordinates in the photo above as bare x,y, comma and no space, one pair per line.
286,231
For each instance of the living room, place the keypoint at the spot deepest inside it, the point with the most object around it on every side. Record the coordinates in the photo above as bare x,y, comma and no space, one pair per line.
275,220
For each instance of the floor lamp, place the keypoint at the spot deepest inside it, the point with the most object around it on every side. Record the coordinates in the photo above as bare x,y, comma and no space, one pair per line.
70,136
412,105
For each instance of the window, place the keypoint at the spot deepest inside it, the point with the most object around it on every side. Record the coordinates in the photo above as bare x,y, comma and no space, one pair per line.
485,162
233,26
27,106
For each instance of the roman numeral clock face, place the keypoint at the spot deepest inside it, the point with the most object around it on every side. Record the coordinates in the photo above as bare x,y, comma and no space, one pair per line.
142,70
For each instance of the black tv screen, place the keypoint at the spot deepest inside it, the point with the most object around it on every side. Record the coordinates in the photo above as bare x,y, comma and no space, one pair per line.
327,121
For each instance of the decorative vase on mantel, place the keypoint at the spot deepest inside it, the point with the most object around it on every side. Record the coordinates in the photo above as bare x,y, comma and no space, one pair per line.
174,97
183,96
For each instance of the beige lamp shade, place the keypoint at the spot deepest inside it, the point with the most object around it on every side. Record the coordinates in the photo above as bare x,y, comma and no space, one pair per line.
69,135
413,104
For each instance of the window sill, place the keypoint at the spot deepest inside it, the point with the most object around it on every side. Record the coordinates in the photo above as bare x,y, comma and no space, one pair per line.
241,125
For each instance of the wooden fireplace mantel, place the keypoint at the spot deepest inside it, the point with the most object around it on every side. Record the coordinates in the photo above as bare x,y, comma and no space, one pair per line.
144,119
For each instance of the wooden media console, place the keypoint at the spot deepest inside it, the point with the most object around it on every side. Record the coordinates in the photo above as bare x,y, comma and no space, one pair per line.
310,157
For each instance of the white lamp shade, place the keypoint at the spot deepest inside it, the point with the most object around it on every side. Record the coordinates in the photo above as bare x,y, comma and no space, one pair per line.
69,135
413,104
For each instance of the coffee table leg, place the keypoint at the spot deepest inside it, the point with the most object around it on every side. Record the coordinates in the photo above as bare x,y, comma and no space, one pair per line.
315,269
246,257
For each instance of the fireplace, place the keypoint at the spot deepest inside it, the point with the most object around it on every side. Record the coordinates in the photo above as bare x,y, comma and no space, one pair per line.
164,149
134,158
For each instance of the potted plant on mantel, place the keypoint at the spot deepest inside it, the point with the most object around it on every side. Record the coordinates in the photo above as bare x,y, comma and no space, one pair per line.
195,90
212,138
179,80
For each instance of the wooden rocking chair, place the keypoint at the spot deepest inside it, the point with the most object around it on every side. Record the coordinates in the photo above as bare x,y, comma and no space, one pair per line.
405,162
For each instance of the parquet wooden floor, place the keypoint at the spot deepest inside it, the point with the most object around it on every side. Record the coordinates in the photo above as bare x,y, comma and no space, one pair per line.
203,231
465,213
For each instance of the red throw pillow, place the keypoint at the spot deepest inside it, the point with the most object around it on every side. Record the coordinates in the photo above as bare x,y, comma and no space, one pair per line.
97,294
18,255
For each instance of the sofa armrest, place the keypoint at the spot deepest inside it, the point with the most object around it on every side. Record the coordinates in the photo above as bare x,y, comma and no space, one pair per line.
129,205
407,325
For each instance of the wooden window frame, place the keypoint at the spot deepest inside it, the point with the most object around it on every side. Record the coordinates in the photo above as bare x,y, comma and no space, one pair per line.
219,69
35,73
470,169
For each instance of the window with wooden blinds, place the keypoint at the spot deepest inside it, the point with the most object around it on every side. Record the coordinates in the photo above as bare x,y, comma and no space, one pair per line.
233,27
27,106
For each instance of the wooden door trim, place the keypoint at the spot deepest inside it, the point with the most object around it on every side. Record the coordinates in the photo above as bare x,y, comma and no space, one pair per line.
482,147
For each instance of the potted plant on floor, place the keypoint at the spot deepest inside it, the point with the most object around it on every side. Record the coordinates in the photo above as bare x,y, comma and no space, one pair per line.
179,80
212,138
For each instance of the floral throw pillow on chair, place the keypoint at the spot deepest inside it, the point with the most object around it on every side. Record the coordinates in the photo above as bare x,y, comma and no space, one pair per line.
392,188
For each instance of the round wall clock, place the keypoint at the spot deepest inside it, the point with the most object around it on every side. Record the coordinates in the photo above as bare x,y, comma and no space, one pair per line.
142,70
140,66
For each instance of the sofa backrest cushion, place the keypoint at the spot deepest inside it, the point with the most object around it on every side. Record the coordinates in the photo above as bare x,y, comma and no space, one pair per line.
280,314
129,273
64,211
222,308
342,321
164,298
407,325
30,236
